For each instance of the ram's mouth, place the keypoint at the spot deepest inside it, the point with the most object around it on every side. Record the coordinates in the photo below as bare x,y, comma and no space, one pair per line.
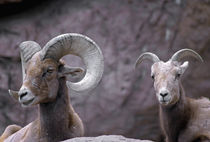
28,102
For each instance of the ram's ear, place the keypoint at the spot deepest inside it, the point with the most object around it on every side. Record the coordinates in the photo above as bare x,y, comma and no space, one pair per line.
14,94
70,71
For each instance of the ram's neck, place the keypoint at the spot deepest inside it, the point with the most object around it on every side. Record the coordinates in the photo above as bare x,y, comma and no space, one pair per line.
175,118
54,116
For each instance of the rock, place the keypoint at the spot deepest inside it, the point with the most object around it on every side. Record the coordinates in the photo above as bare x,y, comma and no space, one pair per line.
124,102
108,138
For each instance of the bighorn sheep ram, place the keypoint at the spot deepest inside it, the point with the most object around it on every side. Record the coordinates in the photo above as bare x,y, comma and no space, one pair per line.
44,83
182,119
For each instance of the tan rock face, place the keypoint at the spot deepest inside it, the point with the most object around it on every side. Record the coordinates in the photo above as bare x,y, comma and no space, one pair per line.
124,102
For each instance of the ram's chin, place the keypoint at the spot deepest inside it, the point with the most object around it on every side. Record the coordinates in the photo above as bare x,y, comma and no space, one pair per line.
28,103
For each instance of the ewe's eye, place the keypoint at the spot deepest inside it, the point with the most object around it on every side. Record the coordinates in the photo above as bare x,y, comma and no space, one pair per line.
177,75
153,76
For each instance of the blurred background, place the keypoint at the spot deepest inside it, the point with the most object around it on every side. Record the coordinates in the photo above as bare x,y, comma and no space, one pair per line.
124,102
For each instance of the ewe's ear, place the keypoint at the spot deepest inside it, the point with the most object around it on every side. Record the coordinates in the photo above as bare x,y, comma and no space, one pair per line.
70,71
184,66
14,94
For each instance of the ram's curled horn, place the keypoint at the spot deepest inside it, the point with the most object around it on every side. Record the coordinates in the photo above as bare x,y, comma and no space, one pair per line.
27,50
86,49
14,94
147,56
179,55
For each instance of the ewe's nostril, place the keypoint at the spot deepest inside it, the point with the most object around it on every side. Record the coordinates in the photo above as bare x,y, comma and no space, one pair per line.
23,94
163,94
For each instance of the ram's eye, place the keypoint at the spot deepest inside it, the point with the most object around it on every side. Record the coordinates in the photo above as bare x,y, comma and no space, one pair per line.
50,70
47,72
153,76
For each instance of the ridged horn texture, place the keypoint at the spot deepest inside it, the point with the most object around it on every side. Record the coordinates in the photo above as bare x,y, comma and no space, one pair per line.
14,94
147,56
27,50
86,49
179,55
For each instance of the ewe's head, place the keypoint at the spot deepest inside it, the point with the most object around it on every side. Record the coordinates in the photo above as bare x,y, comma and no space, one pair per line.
167,75
42,68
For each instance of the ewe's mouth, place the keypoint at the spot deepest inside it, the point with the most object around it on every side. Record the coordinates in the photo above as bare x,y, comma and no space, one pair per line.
164,102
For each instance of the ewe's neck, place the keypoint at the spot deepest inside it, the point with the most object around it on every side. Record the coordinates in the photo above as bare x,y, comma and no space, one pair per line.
54,116
175,118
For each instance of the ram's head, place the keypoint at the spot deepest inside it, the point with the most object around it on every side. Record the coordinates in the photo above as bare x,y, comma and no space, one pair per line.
42,68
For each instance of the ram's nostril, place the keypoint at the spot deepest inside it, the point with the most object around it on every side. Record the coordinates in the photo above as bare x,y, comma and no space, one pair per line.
163,94
23,94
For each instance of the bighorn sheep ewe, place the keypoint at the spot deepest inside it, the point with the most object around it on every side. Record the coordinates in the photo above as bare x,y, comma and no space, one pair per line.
44,83
182,119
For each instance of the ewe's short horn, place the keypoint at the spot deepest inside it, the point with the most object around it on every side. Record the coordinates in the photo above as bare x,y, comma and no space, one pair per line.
147,56
27,50
83,47
179,55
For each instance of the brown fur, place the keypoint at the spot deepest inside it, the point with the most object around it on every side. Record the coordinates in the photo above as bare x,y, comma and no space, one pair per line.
186,121
182,119
175,118
57,119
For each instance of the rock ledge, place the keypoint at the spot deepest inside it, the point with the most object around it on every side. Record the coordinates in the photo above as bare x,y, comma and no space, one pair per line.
105,138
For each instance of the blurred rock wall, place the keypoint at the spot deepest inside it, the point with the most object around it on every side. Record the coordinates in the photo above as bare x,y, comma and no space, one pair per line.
124,101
